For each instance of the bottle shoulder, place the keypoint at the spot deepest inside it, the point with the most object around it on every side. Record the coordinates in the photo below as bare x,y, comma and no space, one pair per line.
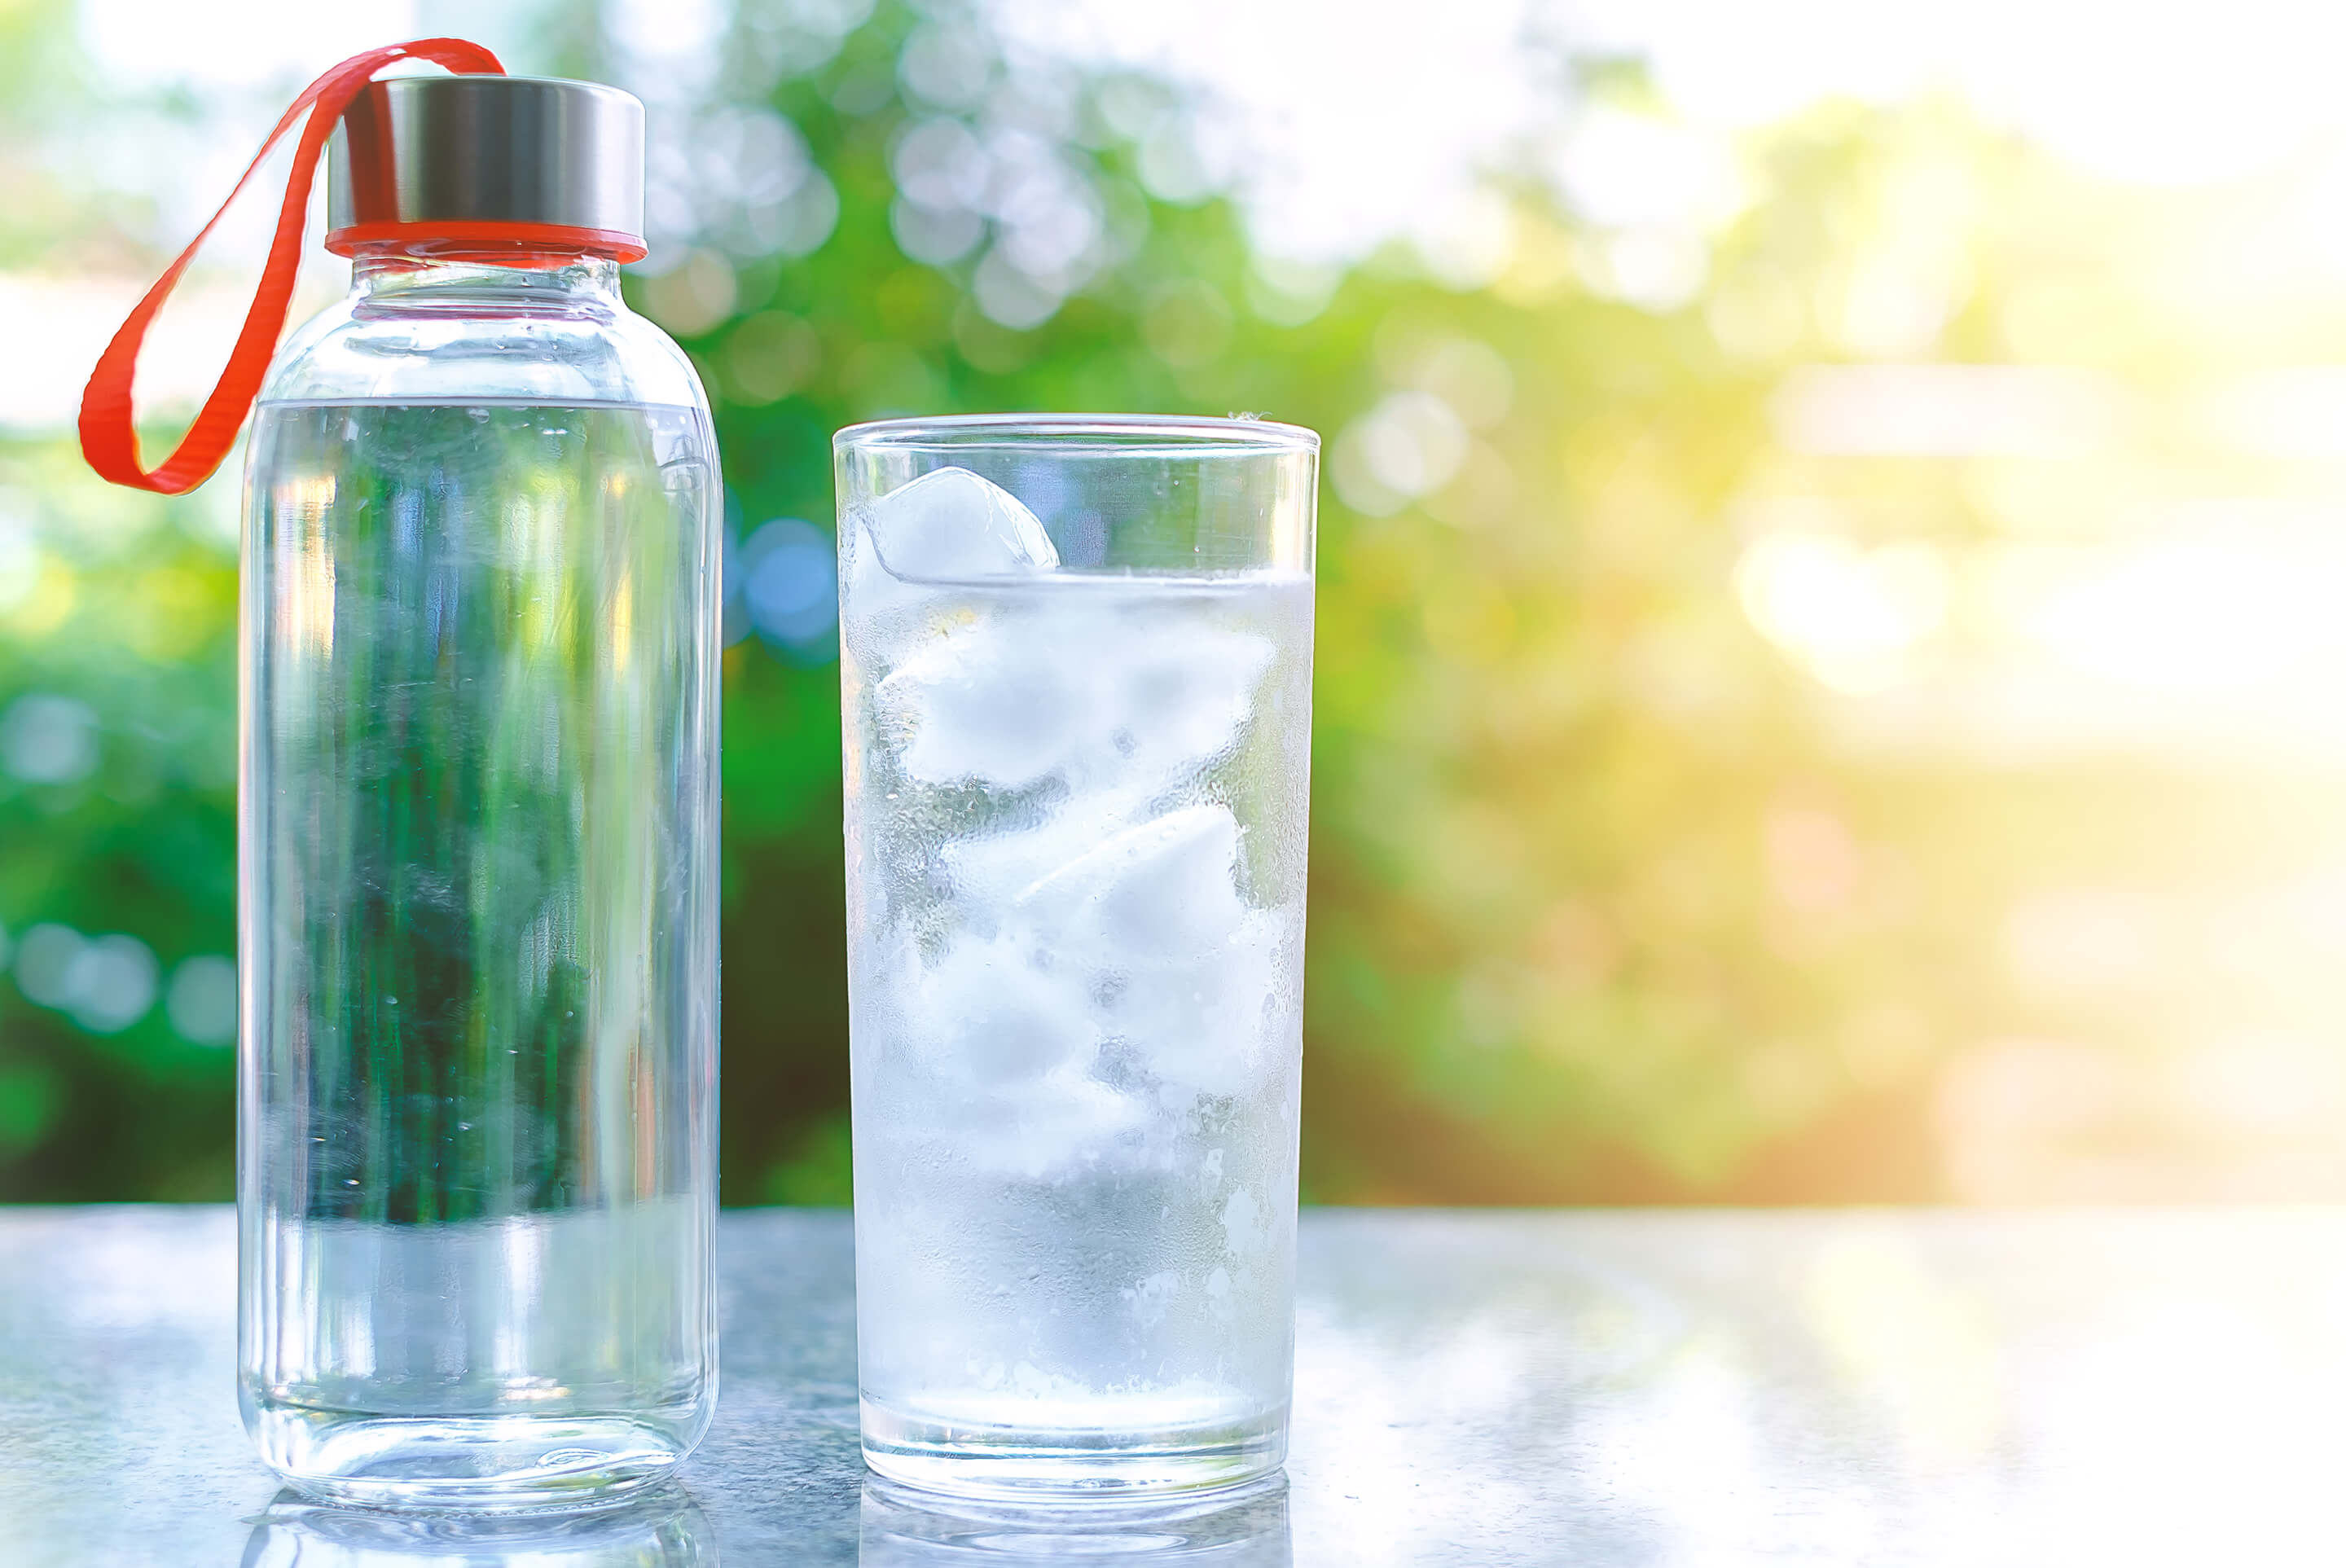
359,350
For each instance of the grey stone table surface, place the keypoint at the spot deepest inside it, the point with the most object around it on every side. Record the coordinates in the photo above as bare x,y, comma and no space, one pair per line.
1616,1388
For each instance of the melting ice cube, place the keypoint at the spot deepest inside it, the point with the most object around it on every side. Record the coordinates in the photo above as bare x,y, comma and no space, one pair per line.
994,870
1167,890
995,1020
1181,970
994,703
1179,703
1081,694
1008,1041
1061,1123
953,524
1205,1026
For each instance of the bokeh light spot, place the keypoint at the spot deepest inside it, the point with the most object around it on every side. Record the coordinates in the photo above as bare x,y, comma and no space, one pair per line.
45,962
769,356
1851,615
111,983
1408,444
201,1002
1187,323
693,295
48,739
20,554
790,583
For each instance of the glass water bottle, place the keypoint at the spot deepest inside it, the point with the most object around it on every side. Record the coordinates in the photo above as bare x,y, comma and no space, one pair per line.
477,1174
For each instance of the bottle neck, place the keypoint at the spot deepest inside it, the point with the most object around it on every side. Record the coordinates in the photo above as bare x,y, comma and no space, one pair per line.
389,280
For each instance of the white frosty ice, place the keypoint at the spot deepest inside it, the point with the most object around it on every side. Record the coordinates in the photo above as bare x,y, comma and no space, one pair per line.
991,872
1176,704
1100,969
1008,1041
1005,701
993,1018
1142,937
953,524
949,525
983,702
1165,890
1180,969
1205,1026
1065,1122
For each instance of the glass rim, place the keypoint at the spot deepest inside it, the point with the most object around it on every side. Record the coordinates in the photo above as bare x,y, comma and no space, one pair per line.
1111,432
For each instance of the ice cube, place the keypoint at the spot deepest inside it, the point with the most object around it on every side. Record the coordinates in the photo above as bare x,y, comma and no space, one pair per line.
1185,974
951,525
1104,697
1205,1026
986,1014
1164,890
988,702
1179,703
1007,1044
1046,1128
994,870
1065,1122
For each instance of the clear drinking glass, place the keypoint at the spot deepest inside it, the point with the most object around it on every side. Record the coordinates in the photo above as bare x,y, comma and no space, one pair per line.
479,855
1077,677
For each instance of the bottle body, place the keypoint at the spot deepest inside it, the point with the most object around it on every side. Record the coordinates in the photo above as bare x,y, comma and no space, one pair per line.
478,894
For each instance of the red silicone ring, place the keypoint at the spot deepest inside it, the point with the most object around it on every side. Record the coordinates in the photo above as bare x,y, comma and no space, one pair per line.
489,241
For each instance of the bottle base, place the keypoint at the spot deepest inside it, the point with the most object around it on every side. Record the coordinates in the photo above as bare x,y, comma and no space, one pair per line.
465,1464
1009,1463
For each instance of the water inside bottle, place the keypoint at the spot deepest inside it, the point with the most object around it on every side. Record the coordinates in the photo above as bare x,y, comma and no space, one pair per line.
478,754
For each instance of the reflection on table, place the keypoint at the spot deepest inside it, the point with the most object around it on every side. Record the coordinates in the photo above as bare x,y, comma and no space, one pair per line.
1242,1528
665,1530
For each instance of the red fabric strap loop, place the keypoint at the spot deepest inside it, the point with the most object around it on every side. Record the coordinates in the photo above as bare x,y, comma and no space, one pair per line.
109,440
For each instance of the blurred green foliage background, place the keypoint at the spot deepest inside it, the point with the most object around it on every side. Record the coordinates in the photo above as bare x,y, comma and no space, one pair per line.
1642,870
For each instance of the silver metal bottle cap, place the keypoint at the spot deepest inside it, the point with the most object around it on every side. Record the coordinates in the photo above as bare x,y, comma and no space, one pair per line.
500,160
